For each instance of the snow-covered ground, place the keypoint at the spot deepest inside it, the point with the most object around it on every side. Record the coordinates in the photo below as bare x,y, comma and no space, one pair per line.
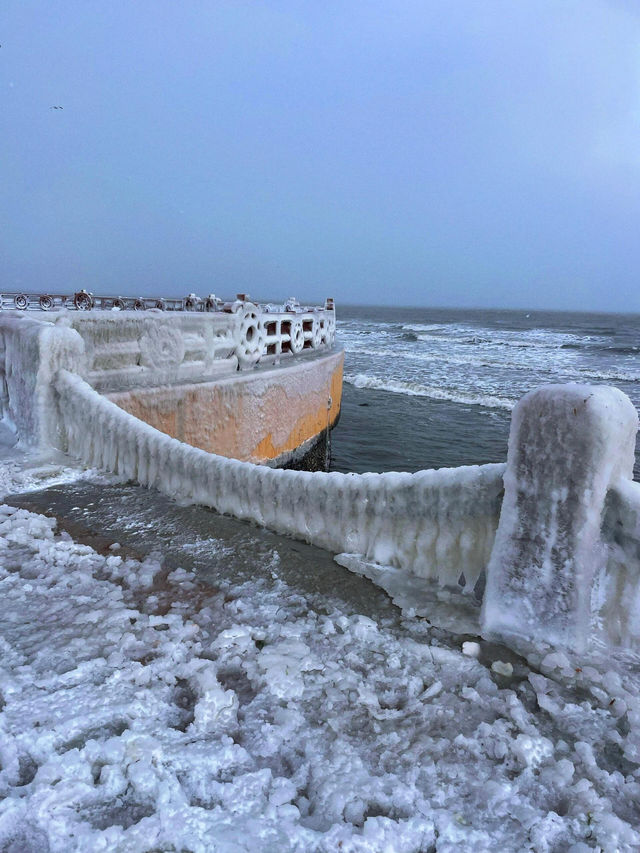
144,708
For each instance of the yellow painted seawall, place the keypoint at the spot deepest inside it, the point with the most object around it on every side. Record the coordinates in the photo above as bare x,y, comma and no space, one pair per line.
271,414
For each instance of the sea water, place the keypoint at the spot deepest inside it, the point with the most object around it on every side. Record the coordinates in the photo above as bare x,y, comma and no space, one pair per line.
434,387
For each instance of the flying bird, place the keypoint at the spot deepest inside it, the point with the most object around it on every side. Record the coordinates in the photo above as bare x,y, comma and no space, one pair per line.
56,108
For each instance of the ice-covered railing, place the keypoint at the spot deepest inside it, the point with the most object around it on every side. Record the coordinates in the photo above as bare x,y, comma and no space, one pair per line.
565,563
244,332
616,594
566,556
30,355
430,523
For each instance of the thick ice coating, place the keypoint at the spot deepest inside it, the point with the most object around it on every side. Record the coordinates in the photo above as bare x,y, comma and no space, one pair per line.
568,444
430,523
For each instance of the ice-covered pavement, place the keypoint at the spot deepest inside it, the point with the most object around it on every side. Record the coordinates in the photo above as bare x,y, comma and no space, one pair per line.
147,707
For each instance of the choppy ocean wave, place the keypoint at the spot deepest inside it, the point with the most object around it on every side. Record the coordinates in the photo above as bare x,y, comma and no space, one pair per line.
425,327
622,350
457,374
544,342
611,375
415,389
473,359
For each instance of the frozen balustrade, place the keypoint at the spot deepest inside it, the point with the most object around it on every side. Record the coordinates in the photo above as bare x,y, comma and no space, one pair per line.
182,366
430,523
566,557
155,341
569,445
567,553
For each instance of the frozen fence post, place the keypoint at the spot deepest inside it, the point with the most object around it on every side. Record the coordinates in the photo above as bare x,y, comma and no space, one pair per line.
567,445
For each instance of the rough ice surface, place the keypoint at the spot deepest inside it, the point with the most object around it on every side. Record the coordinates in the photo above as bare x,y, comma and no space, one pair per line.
144,710
138,348
430,523
31,353
616,592
568,445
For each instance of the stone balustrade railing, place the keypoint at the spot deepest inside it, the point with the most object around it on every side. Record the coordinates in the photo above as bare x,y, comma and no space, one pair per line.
242,331
83,300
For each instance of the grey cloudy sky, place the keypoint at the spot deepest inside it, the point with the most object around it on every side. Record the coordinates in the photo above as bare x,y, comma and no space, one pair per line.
441,152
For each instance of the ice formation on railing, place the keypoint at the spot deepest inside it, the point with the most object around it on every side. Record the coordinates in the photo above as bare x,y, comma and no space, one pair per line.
568,548
616,592
127,348
430,523
568,446
30,355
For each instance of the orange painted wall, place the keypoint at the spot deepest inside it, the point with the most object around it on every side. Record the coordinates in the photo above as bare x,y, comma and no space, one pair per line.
256,416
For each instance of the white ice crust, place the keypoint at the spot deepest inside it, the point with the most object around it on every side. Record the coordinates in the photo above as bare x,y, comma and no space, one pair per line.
145,711
567,446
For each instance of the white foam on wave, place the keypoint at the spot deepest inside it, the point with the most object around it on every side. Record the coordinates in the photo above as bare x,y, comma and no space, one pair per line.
608,375
415,389
440,357
462,333
426,327
381,353
485,337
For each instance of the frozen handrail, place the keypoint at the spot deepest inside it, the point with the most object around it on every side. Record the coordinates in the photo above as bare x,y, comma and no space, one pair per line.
430,523
258,331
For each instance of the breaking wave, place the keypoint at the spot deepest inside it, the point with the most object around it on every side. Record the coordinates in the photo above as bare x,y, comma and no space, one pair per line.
414,389
608,375
425,327
473,360
542,343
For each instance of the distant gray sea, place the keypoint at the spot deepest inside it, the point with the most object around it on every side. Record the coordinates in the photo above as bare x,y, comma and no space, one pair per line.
427,387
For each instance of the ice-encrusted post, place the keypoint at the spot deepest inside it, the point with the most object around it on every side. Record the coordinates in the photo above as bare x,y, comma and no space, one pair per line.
568,444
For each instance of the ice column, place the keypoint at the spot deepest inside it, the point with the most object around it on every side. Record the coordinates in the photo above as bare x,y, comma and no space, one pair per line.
568,444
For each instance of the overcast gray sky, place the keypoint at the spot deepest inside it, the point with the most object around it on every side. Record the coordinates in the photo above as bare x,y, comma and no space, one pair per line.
432,152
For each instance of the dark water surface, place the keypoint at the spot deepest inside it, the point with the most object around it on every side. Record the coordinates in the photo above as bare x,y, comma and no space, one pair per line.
429,388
